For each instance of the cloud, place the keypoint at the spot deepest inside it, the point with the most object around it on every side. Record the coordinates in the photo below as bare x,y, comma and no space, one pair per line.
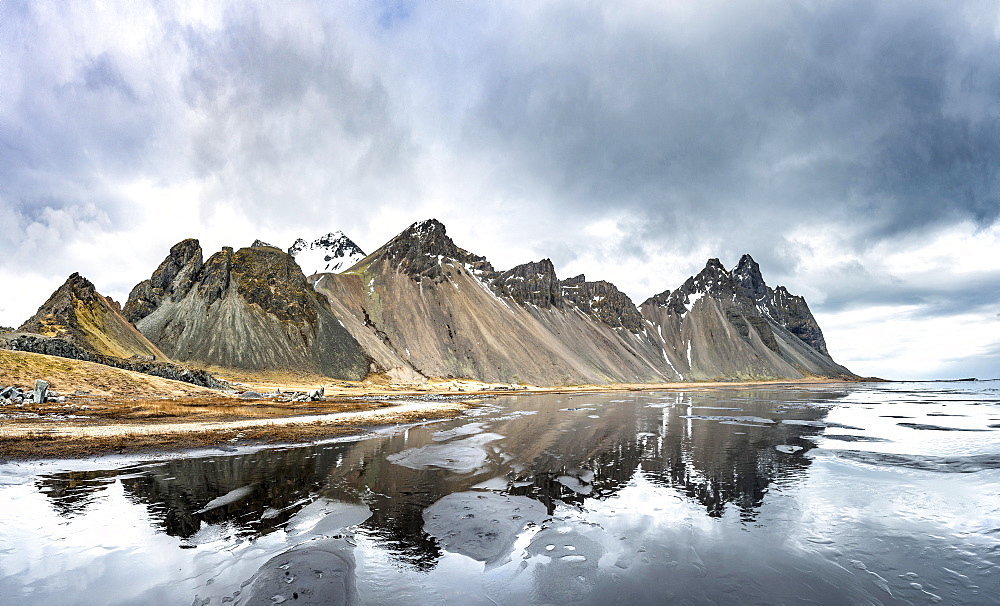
852,147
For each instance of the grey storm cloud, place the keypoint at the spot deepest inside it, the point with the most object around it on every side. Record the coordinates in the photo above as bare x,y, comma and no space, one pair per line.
876,116
735,118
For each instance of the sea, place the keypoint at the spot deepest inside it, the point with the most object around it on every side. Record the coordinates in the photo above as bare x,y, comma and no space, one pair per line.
845,493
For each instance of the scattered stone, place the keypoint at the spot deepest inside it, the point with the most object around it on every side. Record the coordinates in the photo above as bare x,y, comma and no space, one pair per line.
5,402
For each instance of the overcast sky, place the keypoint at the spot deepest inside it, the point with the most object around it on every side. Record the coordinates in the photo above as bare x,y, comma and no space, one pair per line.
853,148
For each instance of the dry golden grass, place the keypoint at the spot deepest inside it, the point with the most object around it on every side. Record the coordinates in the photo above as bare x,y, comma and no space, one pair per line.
66,376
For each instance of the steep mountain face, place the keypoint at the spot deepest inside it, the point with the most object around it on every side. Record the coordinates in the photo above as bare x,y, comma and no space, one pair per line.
332,253
444,311
732,325
420,306
78,314
250,309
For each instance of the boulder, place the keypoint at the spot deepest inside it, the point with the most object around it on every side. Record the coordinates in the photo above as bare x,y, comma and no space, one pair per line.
250,395
41,390
317,394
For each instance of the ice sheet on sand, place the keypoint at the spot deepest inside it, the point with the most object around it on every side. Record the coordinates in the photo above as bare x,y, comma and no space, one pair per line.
807,423
460,456
328,517
317,572
229,498
572,570
465,430
734,419
482,526
935,427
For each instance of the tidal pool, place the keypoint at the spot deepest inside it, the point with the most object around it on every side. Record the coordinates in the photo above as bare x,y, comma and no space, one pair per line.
840,494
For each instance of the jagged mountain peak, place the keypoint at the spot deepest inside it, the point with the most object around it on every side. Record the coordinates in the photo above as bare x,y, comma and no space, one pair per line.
533,283
331,253
748,278
173,278
420,249
429,237
260,244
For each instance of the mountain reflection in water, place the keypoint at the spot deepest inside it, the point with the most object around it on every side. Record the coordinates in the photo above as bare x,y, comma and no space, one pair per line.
882,494
567,450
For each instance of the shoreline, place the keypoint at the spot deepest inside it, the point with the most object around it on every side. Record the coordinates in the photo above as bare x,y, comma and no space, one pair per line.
109,426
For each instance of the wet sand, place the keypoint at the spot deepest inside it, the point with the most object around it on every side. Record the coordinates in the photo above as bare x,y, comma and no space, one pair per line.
90,425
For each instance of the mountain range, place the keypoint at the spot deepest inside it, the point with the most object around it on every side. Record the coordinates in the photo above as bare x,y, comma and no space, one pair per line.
421,307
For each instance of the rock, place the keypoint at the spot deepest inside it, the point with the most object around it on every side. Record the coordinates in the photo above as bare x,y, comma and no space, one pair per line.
317,394
5,402
18,400
250,395
41,390
58,400
8,392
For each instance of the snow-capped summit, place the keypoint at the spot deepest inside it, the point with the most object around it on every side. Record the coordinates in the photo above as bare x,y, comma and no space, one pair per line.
332,253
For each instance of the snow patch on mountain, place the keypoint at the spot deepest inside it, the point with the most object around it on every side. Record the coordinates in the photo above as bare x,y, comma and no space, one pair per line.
332,253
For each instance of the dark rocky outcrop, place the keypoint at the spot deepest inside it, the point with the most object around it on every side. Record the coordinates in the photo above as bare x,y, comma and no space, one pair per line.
77,313
603,301
250,309
531,284
172,279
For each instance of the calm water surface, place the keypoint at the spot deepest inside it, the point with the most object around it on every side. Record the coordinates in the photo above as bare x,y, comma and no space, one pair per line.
861,494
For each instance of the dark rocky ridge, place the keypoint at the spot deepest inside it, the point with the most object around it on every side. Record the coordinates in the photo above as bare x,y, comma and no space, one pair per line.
53,346
251,308
776,336
531,284
418,251
603,301
173,278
